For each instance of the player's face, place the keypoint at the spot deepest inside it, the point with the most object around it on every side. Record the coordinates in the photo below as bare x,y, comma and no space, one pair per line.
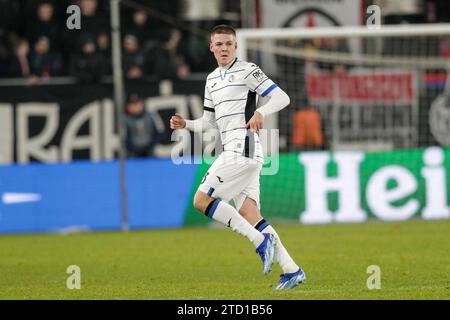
224,48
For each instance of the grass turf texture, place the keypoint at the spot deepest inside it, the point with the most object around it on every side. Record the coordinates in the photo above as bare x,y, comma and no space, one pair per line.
211,263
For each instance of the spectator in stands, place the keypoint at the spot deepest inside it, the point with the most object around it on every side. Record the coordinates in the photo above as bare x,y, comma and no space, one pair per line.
44,24
141,131
10,20
88,66
44,63
134,62
93,22
20,66
9,26
141,27
168,61
104,49
171,8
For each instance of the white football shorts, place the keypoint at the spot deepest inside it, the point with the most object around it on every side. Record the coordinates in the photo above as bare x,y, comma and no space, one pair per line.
232,177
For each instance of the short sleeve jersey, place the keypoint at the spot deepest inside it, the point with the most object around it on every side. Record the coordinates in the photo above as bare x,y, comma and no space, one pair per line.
230,101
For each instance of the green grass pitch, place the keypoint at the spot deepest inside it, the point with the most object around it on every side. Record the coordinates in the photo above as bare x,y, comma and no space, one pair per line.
215,263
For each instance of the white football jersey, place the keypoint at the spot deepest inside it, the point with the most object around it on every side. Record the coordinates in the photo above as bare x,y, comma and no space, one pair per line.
230,101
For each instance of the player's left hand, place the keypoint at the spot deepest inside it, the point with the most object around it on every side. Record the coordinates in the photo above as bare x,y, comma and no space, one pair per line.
256,122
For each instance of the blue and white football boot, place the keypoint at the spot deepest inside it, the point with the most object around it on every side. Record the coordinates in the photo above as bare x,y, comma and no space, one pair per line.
291,280
266,250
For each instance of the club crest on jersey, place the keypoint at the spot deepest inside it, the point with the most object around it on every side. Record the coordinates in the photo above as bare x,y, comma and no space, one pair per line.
231,78
258,75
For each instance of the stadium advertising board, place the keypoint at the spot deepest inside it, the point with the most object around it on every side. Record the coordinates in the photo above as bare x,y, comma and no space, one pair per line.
310,13
370,105
376,184
82,195
362,87
310,187
354,186
53,124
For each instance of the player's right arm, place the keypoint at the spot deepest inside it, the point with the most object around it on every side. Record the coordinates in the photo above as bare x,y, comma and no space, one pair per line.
199,125
206,122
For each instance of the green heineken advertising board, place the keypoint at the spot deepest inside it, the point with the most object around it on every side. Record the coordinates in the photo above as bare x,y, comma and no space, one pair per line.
352,186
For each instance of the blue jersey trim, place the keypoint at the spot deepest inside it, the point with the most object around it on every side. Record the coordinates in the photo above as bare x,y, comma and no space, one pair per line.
269,89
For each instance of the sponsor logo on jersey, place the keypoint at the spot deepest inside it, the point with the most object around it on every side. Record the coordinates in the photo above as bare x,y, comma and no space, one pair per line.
258,75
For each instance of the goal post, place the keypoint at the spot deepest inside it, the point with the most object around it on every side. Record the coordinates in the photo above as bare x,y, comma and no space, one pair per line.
267,34
397,55
375,103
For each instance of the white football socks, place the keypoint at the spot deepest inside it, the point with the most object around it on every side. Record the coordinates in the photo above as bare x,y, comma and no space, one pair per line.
283,258
226,214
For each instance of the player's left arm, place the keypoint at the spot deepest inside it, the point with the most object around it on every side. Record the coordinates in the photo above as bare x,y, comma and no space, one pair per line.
275,98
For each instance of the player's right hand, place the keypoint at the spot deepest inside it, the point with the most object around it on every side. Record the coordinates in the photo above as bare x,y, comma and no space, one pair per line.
177,121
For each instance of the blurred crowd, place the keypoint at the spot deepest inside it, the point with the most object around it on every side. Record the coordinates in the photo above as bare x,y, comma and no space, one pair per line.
36,44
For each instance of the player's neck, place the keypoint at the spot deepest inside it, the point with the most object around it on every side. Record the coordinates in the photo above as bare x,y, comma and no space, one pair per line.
224,67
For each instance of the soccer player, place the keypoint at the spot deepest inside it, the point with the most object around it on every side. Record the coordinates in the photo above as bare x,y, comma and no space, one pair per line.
230,105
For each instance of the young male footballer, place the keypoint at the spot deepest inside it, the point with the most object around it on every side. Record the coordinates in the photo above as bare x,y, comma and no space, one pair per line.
230,105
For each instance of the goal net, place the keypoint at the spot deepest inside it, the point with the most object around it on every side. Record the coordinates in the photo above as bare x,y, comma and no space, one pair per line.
381,92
